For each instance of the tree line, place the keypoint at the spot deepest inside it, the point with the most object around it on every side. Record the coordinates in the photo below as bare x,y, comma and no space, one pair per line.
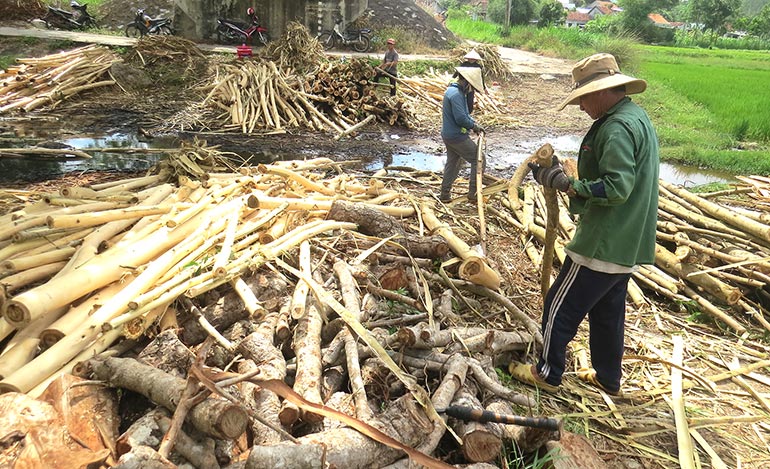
714,17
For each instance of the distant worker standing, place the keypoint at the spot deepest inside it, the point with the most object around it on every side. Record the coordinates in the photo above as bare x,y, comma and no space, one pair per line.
473,59
455,126
389,66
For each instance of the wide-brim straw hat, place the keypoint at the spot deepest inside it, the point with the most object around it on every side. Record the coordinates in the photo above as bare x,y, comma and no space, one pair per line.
473,76
472,55
599,72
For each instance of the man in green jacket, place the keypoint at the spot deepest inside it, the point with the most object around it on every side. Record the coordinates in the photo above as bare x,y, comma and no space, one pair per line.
616,199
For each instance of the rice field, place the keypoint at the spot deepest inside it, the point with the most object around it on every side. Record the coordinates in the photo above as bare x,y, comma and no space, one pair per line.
731,85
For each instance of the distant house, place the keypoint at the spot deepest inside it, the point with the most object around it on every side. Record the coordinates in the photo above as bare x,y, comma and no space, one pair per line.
580,16
600,8
480,9
658,20
576,19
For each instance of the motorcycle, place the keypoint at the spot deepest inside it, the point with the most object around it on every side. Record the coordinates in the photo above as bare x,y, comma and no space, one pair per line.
357,39
232,31
143,24
79,18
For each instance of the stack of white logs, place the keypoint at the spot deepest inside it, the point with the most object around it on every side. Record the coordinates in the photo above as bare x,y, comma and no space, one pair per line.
36,82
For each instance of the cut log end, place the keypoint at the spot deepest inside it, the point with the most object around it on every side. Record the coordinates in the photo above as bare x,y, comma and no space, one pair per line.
49,337
17,314
7,387
475,270
481,446
232,422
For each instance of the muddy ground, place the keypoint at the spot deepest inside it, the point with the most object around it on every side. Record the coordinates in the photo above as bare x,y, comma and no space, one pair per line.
530,101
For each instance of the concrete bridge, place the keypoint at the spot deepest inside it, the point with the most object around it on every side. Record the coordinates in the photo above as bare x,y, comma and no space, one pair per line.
197,19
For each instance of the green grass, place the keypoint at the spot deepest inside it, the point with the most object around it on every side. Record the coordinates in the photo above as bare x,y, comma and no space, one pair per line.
480,31
6,61
744,113
711,107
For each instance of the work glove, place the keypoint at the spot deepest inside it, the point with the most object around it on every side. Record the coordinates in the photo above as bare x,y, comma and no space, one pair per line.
478,129
552,177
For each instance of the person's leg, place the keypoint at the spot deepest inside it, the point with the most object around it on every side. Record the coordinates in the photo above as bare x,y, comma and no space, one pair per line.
468,151
451,169
606,321
392,85
575,292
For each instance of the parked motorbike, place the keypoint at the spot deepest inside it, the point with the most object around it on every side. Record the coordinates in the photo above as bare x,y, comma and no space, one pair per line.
356,39
78,18
144,24
232,31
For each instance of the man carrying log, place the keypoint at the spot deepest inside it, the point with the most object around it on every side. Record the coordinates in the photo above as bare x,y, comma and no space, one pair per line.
616,197
389,66
456,123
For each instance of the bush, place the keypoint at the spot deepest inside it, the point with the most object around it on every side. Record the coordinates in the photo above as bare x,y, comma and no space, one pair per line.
695,38
623,47
407,42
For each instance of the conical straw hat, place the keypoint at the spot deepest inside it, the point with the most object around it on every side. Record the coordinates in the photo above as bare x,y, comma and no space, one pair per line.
473,76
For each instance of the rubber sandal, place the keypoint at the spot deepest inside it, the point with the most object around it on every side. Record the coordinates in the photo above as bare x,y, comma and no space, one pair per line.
589,376
528,375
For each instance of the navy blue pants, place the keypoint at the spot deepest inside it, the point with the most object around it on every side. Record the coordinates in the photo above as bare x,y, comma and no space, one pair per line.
576,292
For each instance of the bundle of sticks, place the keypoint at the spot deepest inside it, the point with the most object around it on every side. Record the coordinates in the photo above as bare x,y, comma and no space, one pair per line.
295,50
715,256
494,66
51,79
257,95
151,50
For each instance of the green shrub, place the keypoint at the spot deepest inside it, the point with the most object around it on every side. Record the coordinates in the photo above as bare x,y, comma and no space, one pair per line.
695,38
407,42
6,61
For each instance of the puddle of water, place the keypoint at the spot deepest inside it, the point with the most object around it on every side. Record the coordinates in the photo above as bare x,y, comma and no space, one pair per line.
503,163
38,168
415,159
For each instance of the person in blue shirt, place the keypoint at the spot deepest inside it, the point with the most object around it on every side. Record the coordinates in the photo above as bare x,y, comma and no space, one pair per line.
456,123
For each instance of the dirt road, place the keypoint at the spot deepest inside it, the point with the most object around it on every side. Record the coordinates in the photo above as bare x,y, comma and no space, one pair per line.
519,61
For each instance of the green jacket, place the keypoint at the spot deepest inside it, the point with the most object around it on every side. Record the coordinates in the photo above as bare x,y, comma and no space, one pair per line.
617,193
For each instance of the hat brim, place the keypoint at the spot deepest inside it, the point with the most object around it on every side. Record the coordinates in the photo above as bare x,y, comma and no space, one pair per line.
473,76
633,86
